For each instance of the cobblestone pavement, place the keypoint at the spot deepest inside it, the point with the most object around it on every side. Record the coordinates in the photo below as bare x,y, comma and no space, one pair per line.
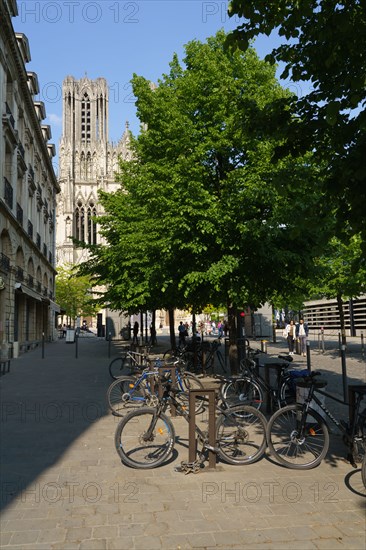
64,487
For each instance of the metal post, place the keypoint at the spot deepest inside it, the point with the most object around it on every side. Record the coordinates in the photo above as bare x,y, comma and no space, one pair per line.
109,343
362,346
340,343
344,372
42,345
76,344
192,449
308,360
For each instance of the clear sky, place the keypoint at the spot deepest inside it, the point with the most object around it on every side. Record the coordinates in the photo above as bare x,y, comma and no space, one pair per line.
113,39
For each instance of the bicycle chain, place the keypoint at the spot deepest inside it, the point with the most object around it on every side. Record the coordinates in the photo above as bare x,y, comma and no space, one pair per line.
190,467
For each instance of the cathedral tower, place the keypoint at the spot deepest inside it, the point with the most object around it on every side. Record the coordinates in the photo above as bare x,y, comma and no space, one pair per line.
88,162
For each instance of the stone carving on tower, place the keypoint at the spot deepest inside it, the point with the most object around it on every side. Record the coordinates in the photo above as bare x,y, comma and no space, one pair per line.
88,162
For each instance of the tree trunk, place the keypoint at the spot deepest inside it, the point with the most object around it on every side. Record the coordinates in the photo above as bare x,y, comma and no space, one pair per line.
233,348
173,342
341,318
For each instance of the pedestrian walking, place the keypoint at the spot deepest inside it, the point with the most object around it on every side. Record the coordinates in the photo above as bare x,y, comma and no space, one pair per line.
135,333
302,332
290,334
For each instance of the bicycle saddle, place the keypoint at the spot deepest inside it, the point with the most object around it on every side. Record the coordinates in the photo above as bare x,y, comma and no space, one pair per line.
307,382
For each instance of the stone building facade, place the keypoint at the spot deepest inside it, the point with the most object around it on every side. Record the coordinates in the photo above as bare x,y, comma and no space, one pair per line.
88,163
28,190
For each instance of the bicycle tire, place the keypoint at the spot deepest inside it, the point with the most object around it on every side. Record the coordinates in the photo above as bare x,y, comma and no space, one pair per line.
132,447
241,435
190,381
288,392
284,445
363,470
118,367
242,391
120,399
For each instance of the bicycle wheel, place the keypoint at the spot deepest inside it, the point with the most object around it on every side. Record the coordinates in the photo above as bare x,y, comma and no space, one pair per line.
288,392
188,381
123,395
144,440
363,471
119,366
241,435
292,449
242,391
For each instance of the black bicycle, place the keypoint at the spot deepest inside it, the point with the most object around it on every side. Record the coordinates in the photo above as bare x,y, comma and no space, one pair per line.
145,438
129,362
298,436
252,388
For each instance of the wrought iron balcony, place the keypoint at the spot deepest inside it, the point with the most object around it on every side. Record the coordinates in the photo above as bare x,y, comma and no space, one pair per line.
8,194
4,262
19,273
10,115
19,214
30,229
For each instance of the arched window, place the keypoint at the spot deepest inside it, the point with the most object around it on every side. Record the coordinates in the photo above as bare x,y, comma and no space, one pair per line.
85,118
92,226
79,217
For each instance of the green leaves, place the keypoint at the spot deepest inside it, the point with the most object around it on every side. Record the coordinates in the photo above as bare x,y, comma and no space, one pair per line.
325,45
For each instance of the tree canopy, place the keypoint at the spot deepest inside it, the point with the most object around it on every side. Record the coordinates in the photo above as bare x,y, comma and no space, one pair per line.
203,216
74,293
323,43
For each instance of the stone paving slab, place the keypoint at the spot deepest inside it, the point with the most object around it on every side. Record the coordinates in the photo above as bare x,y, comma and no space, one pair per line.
64,487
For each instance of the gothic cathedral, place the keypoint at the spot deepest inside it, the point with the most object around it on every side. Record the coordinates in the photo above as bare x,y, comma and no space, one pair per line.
87,162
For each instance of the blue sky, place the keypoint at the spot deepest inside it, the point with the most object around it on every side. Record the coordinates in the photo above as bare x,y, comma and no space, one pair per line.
113,39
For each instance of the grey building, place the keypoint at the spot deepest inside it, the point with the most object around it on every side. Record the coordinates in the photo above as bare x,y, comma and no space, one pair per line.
28,189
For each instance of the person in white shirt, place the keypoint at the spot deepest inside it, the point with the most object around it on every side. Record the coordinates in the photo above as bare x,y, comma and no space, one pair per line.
302,332
290,334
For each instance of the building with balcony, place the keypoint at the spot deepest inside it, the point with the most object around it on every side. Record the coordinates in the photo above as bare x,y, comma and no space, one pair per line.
28,189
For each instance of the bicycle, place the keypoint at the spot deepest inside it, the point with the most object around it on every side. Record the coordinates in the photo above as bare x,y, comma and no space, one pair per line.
145,438
250,387
129,362
298,436
133,391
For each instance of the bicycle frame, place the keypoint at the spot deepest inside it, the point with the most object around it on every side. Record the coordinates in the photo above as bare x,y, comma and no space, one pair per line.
349,431
274,393
145,375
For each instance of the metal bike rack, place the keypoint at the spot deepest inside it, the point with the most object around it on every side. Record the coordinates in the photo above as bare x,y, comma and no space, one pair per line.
192,450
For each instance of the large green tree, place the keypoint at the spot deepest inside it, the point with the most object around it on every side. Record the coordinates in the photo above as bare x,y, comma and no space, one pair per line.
323,43
203,215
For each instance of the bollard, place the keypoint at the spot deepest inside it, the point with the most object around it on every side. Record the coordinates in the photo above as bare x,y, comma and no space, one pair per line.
264,346
362,346
42,345
109,344
76,345
344,373
308,360
339,343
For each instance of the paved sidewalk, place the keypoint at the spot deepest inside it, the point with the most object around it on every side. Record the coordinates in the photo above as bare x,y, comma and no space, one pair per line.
64,487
